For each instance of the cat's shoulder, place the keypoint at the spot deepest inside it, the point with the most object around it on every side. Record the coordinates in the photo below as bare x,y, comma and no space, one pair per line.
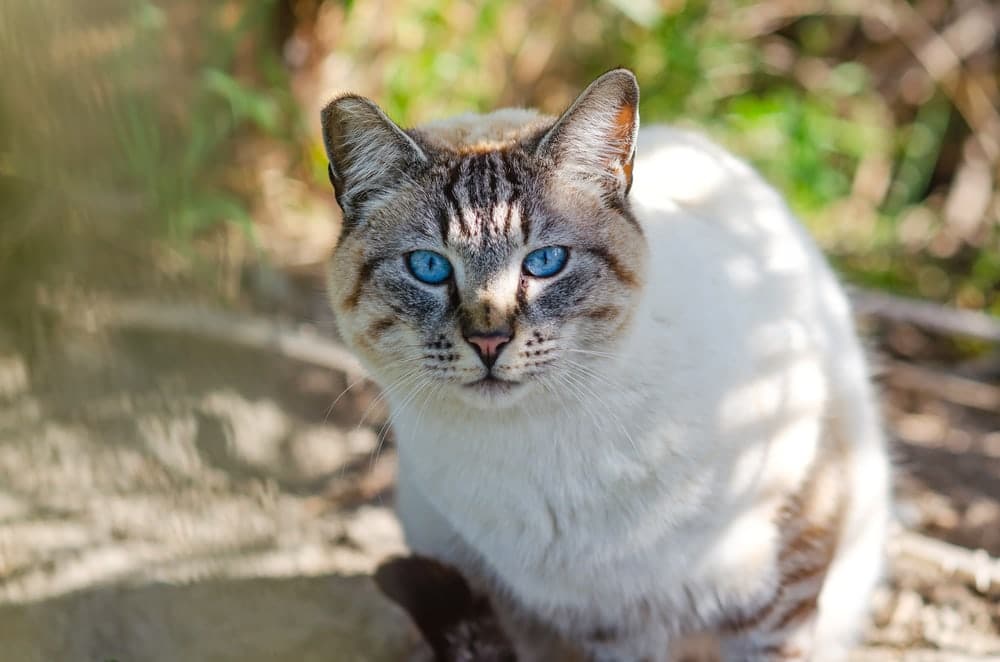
690,169
690,158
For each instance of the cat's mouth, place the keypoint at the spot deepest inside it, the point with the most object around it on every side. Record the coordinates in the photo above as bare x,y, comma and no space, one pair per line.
492,384
492,392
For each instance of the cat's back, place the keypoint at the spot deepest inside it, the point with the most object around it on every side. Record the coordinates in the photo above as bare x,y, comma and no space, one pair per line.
738,299
686,183
723,240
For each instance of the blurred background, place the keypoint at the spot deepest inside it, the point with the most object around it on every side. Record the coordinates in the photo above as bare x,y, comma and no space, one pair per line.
167,363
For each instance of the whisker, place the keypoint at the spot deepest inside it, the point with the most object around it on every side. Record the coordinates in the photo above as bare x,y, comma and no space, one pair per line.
610,411
591,352
359,380
329,410
415,373
384,430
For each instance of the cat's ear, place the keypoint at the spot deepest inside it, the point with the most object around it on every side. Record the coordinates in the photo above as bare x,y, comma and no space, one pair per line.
368,153
594,140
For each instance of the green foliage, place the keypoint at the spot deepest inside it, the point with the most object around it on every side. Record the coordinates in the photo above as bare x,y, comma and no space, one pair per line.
804,99
807,99
182,160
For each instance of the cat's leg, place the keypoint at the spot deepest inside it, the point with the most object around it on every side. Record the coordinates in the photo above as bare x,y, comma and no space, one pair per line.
782,626
425,529
636,635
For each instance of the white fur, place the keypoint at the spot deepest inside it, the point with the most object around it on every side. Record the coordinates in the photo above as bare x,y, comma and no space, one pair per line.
662,487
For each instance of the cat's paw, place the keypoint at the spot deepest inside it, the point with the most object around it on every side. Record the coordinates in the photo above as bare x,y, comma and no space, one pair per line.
458,625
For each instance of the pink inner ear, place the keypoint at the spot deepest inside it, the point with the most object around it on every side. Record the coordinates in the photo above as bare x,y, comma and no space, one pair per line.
623,134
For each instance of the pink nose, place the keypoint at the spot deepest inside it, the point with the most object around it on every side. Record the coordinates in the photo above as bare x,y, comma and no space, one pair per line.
488,346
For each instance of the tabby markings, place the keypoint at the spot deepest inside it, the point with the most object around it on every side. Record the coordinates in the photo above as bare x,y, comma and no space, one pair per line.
364,275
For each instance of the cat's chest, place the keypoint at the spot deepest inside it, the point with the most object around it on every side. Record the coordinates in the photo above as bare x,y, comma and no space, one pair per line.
549,507
531,479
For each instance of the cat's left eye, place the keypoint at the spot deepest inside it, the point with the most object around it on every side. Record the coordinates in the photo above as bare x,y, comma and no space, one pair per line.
429,267
545,262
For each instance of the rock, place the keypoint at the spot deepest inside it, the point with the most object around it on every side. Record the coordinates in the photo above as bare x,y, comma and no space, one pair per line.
327,618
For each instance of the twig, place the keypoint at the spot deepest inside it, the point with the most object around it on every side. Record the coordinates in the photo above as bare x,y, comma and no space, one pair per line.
932,51
975,568
952,388
240,329
931,316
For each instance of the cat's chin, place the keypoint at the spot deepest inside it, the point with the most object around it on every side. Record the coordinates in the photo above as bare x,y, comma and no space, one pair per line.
492,393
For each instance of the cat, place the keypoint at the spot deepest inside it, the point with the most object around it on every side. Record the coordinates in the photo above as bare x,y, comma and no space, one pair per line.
627,393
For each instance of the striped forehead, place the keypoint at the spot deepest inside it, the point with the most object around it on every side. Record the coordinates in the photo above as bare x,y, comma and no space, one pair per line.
485,207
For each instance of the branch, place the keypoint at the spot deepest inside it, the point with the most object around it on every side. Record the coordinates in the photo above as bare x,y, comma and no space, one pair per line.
931,316
249,331
975,568
952,388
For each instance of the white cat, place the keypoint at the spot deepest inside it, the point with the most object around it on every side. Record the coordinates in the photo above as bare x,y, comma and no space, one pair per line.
630,408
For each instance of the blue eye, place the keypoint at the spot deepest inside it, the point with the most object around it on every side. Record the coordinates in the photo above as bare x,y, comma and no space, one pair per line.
429,267
545,262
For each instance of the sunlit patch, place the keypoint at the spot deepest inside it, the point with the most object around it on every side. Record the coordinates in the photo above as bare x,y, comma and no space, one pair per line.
742,272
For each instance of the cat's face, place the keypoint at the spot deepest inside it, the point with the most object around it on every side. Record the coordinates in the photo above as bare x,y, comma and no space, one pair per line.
487,275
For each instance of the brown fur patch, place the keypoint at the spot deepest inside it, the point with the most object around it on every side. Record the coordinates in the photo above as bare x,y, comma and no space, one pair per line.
623,120
811,540
364,275
798,612
627,169
616,267
603,313
749,620
809,523
380,326
625,126
804,573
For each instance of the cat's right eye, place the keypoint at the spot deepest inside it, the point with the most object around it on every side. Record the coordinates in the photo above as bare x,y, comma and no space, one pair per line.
429,267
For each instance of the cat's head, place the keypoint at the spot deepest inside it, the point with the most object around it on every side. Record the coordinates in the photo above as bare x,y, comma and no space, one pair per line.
487,271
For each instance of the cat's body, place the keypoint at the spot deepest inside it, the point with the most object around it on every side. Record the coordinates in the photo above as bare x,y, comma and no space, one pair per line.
702,449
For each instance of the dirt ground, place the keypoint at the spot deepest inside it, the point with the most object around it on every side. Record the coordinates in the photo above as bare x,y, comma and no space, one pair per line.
166,497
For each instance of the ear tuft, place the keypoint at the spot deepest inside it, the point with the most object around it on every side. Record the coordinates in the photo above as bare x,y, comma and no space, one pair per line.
368,153
594,140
